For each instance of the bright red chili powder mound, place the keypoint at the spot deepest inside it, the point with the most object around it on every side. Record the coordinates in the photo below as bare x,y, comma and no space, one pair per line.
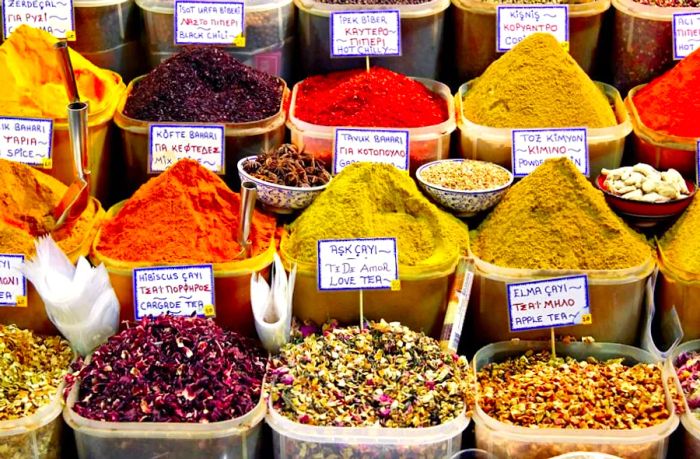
378,98
671,102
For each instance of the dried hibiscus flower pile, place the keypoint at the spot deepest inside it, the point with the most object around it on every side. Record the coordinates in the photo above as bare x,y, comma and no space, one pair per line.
288,166
172,369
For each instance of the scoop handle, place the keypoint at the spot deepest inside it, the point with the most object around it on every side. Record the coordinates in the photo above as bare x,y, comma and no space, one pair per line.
78,131
67,71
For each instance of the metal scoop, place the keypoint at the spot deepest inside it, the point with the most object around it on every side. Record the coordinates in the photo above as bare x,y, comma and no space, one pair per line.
249,193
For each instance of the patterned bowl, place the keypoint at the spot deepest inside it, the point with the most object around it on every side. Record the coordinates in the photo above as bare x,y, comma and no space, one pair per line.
463,203
280,199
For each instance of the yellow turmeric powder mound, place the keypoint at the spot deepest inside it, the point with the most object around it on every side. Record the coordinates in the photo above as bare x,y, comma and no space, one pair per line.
555,219
537,84
378,200
681,244
32,83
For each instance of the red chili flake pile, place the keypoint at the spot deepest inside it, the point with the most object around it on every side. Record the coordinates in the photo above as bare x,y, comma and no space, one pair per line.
378,98
172,369
204,84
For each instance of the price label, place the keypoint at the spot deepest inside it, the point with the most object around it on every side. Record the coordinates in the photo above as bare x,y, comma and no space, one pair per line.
52,16
176,290
26,140
686,34
514,23
557,302
370,145
358,264
531,147
209,23
365,33
170,143
13,285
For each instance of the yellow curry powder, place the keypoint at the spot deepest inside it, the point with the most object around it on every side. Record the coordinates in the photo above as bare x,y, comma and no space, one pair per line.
537,84
555,219
681,244
32,83
378,200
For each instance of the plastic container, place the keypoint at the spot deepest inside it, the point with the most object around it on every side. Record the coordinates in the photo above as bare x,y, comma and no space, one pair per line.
507,441
680,289
426,144
421,38
231,284
660,150
605,145
642,42
233,439
242,139
292,440
475,35
615,299
689,421
269,25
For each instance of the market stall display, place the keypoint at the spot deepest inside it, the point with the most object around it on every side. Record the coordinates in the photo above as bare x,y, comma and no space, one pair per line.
684,363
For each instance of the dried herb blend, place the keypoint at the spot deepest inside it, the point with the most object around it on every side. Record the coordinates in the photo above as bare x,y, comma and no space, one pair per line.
466,175
688,370
289,166
172,369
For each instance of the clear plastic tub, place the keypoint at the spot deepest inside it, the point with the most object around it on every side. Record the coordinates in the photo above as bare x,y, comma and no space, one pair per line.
426,144
292,440
605,145
507,441
422,28
689,421
680,289
242,139
615,299
231,284
233,439
642,47
660,150
475,35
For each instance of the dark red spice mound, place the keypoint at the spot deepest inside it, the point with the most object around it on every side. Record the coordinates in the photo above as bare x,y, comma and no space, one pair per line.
379,98
204,84
172,369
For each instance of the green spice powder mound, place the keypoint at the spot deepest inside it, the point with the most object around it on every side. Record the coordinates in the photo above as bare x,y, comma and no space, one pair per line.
537,84
377,200
681,244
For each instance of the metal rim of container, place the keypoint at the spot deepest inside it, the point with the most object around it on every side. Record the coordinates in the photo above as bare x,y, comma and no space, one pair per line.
421,10
462,192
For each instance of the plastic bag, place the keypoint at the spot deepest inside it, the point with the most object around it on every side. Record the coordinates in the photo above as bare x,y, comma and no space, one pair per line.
272,306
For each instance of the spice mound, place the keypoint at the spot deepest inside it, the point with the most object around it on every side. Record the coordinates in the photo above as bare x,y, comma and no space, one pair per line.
172,369
537,84
466,175
288,166
32,82
671,102
681,244
204,84
688,370
378,98
383,374
642,182
555,219
186,214
32,368
671,3
536,390
378,200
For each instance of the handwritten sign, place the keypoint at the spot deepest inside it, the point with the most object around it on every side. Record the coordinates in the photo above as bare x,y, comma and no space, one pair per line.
370,145
13,285
209,23
365,33
514,23
358,264
26,140
177,290
530,147
686,34
549,303
170,143
52,16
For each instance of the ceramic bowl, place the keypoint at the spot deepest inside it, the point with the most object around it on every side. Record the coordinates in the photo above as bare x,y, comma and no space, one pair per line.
280,199
463,203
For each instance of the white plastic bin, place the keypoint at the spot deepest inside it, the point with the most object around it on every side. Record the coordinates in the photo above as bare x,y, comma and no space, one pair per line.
34,437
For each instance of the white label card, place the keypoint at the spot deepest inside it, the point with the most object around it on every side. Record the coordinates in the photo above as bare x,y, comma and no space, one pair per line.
531,147
514,23
549,303
52,16
170,143
13,285
686,34
464,295
209,23
176,290
26,140
358,264
365,33
370,145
